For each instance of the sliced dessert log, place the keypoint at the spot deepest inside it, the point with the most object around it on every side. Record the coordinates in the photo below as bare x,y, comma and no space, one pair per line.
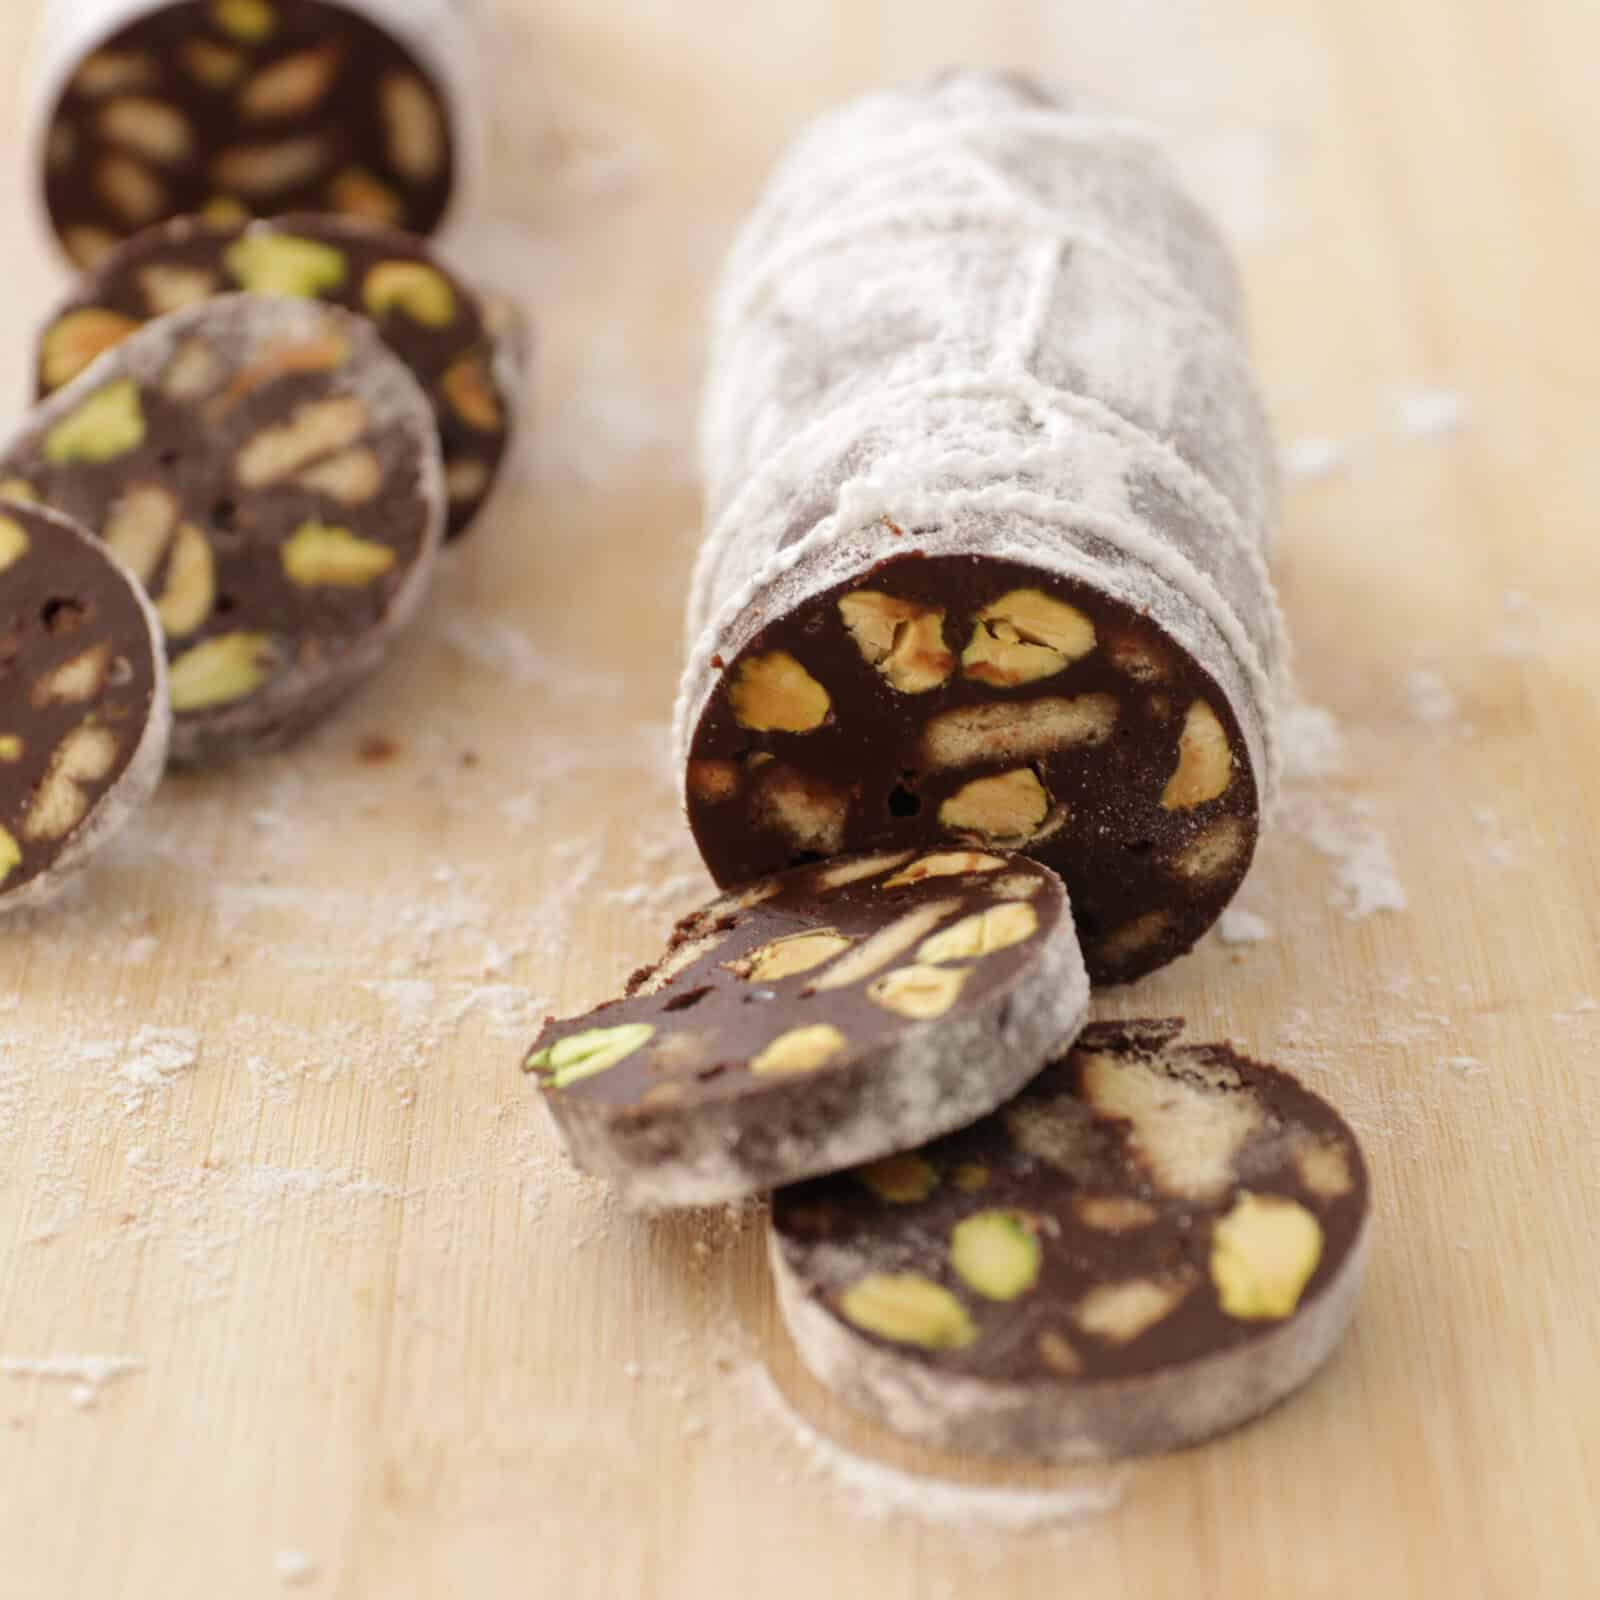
84,718
818,1018
247,107
1153,1243
270,471
972,324
459,349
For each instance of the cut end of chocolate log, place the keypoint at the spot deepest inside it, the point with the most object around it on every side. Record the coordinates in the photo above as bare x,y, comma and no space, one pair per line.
234,108
84,717
1152,1244
965,702
817,1018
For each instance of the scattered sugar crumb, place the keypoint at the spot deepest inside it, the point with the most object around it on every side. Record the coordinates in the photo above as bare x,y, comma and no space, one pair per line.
1428,413
136,952
1515,636
1497,850
504,649
632,1369
153,1059
88,1375
293,1567
273,1183
1314,457
1365,878
1238,926
1313,743
1584,1006
1465,1067
1432,701
666,892
882,1493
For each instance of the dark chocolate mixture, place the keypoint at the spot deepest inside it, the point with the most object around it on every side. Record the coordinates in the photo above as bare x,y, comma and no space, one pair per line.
63,605
1047,1161
1108,833
710,1021
428,316
193,103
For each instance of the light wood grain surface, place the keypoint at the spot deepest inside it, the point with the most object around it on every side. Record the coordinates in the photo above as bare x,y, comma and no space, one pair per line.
261,1128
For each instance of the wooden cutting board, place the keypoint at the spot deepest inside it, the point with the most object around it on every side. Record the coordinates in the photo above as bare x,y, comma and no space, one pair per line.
262,1136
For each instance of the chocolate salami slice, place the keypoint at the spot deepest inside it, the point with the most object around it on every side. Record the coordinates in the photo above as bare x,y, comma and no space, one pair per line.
1152,1244
84,718
990,493
234,108
817,1018
271,472
458,348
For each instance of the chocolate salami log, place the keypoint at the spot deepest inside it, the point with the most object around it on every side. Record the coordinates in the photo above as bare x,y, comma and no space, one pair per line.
148,110
84,718
990,492
1153,1243
271,472
815,1019
457,346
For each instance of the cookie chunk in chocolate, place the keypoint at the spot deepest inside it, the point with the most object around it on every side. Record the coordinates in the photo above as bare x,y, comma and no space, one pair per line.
236,108
965,702
1153,1243
459,349
84,718
271,472
818,1018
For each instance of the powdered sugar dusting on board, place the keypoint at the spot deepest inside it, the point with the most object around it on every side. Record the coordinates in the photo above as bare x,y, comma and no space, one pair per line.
1313,743
1365,877
1237,926
1315,456
88,1375
882,1493
1345,829
1428,413
150,1062
150,1150
1431,700
294,1567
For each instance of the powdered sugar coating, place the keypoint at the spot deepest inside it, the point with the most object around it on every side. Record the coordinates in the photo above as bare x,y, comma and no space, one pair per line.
966,313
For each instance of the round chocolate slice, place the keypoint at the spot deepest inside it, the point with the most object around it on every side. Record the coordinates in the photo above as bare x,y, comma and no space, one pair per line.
1153,1243
239,108
958,701
270,471
84,718
458,348
818,1018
